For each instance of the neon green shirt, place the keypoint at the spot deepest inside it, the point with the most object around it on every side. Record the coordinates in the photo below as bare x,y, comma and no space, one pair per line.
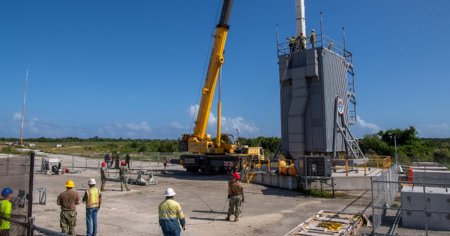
5,211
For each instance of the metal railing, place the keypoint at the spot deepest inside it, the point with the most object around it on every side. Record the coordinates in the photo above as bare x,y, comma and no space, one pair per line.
322,41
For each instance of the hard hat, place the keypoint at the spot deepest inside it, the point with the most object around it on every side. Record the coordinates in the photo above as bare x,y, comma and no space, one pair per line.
236,175
169,192
103,164
123,163
70,184
92,182
6,192
312,30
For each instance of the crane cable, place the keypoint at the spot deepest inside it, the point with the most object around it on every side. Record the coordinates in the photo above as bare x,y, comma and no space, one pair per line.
282,79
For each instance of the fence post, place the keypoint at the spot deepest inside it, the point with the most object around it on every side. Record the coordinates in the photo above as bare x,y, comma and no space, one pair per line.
373,208
427,220
73,163
30,195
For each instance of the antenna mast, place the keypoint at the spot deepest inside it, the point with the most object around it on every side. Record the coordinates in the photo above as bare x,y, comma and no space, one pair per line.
23,108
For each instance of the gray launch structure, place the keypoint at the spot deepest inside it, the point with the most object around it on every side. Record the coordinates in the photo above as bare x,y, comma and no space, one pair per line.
317,100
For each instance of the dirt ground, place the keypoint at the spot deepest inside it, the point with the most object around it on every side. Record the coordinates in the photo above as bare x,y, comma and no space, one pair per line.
266,210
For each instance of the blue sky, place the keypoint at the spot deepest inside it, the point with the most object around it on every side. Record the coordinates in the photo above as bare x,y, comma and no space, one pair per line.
134,68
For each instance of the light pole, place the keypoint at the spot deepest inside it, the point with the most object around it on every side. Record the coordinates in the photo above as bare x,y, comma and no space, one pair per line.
395,148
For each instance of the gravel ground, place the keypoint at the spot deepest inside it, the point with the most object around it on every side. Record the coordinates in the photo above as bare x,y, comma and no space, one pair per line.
266,211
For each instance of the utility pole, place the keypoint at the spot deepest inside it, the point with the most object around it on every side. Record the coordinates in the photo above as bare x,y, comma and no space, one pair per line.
395,149
23,109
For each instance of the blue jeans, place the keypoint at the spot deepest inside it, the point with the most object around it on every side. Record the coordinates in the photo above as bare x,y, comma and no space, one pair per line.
170,227
91,221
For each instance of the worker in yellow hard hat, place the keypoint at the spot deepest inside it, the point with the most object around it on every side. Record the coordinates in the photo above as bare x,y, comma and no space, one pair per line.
68,201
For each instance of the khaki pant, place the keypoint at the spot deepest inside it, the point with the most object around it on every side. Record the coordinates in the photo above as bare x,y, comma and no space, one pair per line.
68,221
123,181
102,188
235,205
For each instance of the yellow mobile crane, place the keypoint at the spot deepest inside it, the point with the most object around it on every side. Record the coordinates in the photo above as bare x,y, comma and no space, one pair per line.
223,154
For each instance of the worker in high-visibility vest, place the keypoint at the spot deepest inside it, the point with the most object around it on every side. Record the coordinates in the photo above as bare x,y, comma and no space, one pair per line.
5,211
170,215
93,199
68,201
292,44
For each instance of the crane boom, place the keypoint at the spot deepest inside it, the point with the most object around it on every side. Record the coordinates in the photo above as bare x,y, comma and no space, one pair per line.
223,154
215,63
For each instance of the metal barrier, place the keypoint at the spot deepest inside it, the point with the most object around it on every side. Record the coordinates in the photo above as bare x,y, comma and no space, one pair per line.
48,232
409,208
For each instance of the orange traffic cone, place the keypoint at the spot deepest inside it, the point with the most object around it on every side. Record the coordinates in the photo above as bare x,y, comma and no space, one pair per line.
410,175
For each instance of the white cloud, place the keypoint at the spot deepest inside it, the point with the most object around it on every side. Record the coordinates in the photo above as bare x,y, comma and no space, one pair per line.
143,126
126,130
177,125
193,111
367,125
434,130
17,116
229,124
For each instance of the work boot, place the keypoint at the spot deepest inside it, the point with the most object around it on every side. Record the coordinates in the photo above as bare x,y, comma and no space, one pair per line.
228,218
236,219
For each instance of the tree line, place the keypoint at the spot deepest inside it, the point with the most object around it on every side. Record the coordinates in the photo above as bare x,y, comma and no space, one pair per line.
126,145
409,147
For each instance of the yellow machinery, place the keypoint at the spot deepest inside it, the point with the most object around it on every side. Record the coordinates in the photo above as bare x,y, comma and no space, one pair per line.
222,154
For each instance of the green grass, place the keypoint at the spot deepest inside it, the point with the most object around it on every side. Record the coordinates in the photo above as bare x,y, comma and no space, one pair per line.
324,193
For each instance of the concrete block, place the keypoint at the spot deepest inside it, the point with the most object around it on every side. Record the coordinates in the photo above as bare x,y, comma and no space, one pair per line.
277,181
426,199
274,180
352,183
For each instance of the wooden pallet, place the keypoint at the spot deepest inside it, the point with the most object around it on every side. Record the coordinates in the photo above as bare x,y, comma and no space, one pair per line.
350,224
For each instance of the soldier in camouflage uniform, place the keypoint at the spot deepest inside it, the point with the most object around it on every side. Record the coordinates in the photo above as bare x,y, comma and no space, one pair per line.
103,175
68,201
123,176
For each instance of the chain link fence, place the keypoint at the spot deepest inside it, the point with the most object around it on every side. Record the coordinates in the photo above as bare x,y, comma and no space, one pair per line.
57,163
15,174
409,207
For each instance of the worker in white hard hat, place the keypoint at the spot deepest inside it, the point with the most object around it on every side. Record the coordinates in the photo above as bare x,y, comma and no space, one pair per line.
93,199
170,215
312,38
